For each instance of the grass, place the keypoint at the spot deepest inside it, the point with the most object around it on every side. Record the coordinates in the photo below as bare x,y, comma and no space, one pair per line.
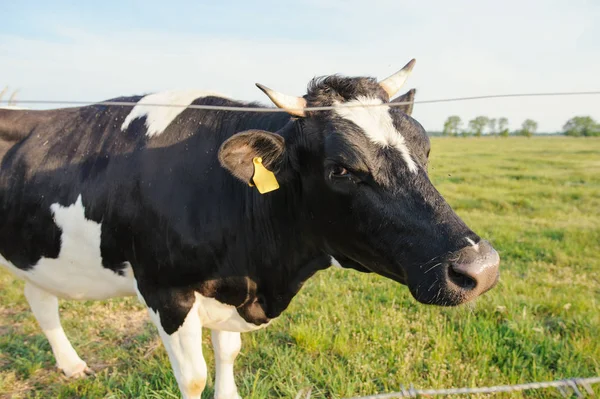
348,334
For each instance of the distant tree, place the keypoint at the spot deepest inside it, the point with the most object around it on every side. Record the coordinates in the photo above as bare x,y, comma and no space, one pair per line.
465,133
452,126
503,127
528,128
477,125
492,126
582,126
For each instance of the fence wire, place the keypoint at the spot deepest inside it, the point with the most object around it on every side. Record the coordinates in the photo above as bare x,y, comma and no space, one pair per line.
325,108
563,386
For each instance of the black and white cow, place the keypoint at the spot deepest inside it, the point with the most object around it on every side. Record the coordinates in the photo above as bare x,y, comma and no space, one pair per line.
163,202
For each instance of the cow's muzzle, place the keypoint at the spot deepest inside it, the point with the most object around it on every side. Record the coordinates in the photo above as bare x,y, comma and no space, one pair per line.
462,276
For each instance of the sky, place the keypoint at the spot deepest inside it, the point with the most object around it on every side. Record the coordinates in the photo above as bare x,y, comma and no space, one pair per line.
93,51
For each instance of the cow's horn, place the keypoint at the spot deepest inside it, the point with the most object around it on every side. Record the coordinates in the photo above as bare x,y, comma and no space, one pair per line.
293,105
393,83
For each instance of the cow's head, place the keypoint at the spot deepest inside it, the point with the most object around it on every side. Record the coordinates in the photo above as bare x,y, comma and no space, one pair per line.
363,176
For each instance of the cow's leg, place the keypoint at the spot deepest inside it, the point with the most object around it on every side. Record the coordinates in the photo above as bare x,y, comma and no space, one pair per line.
45,309
183,345
227,345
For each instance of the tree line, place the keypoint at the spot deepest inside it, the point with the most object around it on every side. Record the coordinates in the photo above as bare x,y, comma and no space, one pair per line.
578,126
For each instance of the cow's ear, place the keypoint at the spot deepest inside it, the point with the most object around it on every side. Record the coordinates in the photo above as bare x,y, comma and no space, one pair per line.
408,97
237,154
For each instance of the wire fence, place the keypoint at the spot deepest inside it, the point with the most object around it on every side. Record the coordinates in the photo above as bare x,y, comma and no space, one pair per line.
309,109
567,388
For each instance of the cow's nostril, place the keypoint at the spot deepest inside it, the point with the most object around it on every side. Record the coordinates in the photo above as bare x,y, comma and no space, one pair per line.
458,277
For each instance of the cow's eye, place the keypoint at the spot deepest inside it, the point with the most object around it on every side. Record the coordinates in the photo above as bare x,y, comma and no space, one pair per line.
339,174
339,171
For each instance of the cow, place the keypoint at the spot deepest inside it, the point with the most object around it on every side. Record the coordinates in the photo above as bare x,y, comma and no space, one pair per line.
216,218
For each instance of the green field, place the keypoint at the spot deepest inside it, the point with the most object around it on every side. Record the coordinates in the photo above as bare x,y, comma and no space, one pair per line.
348,334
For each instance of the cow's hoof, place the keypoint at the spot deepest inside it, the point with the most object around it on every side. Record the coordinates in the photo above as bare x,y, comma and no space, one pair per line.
79,371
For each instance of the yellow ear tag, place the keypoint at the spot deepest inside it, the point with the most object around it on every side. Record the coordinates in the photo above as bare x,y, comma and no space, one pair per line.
263,178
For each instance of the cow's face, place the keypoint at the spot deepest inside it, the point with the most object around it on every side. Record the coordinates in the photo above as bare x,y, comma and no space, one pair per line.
364,178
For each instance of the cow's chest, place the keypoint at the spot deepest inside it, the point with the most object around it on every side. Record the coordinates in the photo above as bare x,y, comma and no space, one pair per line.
77,272
219,316
209,312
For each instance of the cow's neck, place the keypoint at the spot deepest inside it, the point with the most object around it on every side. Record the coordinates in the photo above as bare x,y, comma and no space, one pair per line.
289,250
252,250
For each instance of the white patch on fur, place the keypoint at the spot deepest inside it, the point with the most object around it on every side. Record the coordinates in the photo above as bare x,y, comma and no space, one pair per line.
77,272
159,118
220,316
335,263
475,246
377,124
226,346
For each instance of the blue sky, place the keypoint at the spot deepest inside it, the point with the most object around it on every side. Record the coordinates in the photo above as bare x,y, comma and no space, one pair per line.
98,50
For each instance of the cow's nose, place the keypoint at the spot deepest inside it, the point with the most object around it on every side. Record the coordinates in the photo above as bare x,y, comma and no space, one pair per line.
474,269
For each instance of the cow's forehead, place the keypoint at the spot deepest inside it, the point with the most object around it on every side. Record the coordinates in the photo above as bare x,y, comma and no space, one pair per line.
378,126
384,127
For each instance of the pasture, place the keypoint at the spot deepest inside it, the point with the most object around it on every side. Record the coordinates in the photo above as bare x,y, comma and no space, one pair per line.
348,334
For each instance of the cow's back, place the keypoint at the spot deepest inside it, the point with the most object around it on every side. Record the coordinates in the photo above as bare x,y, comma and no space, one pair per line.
15,125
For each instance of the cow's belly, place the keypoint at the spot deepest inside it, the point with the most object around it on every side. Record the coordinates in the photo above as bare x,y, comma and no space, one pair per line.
76,280
77,272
